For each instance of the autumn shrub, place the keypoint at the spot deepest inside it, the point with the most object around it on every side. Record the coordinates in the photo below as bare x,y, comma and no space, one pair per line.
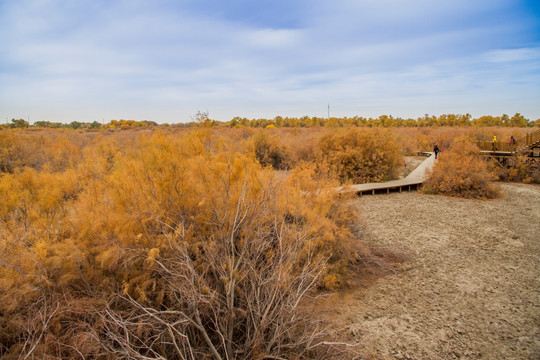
302,144
269,151
516,169
38,255
461,172
168,248
35,150
219,235
503,133
16,152
362,155
414,140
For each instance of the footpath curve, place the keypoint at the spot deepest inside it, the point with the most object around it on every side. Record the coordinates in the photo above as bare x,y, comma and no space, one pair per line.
412,181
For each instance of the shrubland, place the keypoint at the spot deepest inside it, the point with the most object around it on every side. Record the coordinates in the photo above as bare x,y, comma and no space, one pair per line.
350,156
167,246
193,243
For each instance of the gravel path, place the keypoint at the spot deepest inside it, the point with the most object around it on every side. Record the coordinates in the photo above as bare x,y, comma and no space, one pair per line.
470,288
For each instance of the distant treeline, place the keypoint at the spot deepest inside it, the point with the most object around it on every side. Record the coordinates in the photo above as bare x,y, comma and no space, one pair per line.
517,120
202,119
23,124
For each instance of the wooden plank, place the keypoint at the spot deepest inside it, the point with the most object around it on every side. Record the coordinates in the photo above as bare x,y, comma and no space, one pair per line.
415,178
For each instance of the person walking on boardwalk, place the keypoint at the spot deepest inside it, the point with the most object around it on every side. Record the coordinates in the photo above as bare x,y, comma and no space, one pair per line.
436,151
494,145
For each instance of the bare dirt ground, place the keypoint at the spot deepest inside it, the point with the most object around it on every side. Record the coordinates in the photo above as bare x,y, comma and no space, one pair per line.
410,163
469,288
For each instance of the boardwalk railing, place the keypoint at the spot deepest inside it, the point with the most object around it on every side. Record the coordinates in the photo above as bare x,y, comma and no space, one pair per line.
533,139
528,141
496,146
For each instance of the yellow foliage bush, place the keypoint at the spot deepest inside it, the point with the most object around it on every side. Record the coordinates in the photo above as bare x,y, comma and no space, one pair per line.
269,151
168,224
362,155
461,172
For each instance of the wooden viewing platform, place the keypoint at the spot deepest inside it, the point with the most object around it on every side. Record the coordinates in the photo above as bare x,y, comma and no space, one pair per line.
529,146
412,181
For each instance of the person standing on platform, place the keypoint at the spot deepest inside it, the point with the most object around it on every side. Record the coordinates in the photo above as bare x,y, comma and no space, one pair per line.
436,151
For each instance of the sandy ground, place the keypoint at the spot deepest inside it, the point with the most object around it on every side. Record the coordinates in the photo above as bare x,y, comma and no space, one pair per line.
468,289
410,163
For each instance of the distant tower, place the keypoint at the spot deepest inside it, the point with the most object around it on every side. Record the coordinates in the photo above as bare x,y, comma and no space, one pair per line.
328,111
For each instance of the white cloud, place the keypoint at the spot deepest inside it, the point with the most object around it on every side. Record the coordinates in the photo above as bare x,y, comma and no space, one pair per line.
513,55
273,39
382,56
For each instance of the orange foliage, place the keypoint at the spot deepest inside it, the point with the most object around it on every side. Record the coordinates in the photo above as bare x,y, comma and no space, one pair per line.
361,156
269,151
118,216
519,168
100,229
461,172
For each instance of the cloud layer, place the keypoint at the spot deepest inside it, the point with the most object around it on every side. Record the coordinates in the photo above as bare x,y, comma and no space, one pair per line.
163,60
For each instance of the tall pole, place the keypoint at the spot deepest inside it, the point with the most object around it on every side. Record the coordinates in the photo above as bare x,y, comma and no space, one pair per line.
328,111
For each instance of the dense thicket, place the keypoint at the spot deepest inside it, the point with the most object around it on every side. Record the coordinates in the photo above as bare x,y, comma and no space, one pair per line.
163,246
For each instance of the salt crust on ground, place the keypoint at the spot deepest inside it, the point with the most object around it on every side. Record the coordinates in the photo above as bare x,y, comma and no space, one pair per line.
470,288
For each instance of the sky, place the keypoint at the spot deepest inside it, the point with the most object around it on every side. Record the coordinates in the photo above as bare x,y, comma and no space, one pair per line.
165,60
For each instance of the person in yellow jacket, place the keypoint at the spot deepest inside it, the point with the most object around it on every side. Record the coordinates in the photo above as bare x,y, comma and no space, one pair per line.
494,143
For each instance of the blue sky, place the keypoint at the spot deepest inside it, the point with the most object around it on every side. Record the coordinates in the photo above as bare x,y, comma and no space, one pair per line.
164,60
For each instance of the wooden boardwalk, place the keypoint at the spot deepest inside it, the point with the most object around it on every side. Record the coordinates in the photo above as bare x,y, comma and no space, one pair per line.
529,145
412,181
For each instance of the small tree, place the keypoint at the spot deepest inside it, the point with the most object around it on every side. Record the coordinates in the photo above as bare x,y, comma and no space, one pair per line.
94,125
19,124
75,125
518,120
203,119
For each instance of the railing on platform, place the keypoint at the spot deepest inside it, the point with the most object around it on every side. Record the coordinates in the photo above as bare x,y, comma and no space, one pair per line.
496,146
524,143
533,139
